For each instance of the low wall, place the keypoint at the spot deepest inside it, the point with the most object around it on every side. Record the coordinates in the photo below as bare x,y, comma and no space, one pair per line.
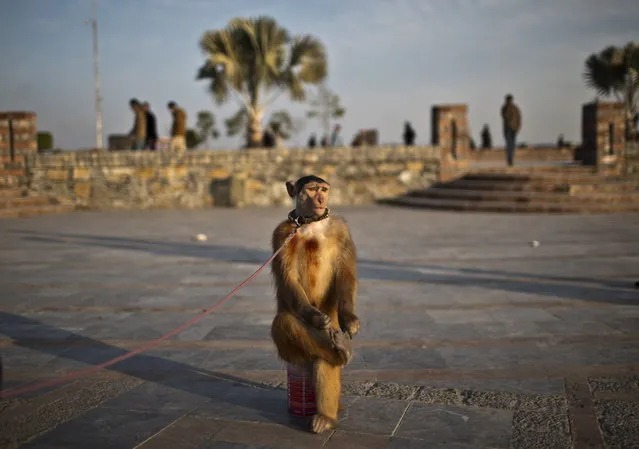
146,180
540,154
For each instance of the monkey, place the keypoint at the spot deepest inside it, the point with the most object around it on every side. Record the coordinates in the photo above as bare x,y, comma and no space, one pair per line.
315,288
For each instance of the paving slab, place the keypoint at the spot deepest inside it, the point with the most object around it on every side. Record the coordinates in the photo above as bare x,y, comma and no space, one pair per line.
471,337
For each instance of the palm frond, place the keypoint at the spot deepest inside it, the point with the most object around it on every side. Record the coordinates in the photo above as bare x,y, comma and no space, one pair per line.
308,56
236,123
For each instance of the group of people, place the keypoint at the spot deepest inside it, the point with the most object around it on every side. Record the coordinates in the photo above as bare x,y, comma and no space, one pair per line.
335,139
145,131
511,118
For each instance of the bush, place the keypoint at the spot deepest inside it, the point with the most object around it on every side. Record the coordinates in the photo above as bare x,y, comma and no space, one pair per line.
45,140
192,138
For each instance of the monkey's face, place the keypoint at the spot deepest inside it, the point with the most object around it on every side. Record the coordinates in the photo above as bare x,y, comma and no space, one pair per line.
312,199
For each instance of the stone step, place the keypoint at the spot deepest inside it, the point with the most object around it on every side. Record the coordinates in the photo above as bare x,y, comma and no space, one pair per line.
540,186
568,168
513,207
11,172
12,193
35,210
11,182
11,203
557,178
526,197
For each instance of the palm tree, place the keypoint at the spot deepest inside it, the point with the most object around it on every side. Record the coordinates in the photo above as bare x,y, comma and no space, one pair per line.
613,71
255,59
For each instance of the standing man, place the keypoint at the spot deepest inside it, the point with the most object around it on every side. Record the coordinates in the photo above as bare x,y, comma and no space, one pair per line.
139,125
335,139
511,117
178,130
151,127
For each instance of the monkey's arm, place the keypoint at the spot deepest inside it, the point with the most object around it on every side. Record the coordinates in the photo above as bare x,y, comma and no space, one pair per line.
345,286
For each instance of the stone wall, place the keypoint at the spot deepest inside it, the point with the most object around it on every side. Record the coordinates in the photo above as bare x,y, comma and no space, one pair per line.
23,126
540,154
145,179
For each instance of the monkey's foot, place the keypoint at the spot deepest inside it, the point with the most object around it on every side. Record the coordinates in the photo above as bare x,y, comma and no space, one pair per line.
321,423
342,345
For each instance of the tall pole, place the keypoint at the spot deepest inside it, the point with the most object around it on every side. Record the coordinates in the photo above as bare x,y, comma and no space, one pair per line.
96,71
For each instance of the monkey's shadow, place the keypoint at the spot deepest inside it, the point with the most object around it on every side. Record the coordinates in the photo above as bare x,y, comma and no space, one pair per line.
214,394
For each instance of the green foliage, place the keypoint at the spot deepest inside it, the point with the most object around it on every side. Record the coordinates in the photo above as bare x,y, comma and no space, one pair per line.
45,140
614,72
282,124
325,106
206,127
192,138
255,60
237,123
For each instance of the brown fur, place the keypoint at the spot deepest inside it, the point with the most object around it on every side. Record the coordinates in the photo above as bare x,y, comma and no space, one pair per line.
316,287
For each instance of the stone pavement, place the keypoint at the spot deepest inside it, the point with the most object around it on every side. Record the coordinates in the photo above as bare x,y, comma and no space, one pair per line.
471,337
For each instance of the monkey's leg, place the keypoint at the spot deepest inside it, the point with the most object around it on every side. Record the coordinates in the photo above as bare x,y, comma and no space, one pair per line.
328,388
299,344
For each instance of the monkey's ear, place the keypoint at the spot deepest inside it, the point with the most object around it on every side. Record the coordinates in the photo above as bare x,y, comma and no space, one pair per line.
290,188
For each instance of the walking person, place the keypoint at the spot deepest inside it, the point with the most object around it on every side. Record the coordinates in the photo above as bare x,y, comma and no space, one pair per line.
139,125
511,117
178,130
151,127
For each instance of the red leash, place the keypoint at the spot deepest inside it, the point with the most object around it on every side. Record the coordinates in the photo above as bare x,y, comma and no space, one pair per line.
10,392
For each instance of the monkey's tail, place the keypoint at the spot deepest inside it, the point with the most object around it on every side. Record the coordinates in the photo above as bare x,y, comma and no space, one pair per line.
15,391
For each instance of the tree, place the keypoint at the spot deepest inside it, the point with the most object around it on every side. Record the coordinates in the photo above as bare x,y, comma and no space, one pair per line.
282,124
205,126
614,71
326,106
256,60
192,138
44,140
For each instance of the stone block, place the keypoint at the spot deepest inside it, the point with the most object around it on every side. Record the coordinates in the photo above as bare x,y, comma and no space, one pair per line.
146,173
82,189
219,173
57,175
446,424
81,174
415,166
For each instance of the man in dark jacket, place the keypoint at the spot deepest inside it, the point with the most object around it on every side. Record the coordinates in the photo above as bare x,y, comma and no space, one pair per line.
511,117
151,127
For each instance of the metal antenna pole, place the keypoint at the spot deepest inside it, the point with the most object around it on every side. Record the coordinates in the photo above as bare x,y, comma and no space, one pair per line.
96,70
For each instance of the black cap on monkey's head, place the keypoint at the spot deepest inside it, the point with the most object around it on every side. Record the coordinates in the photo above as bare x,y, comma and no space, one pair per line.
306,179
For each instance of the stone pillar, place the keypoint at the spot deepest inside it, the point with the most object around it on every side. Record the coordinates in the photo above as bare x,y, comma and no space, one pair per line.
603,131
450,132
25,130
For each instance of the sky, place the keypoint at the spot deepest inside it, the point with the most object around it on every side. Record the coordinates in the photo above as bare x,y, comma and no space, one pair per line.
389,61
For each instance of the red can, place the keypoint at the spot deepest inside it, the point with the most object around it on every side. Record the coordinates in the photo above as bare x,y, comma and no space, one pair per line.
301,391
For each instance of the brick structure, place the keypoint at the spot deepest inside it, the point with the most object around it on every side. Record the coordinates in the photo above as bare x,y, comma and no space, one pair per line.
24,127
450,132
120,142
603,132
449,129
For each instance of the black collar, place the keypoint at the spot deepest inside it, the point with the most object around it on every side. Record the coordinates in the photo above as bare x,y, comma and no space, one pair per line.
299,221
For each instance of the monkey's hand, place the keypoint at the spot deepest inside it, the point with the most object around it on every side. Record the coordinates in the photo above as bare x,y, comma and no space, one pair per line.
350,323
319,319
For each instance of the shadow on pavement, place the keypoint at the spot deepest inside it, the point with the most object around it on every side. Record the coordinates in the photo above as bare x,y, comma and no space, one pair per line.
553,286
214,393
